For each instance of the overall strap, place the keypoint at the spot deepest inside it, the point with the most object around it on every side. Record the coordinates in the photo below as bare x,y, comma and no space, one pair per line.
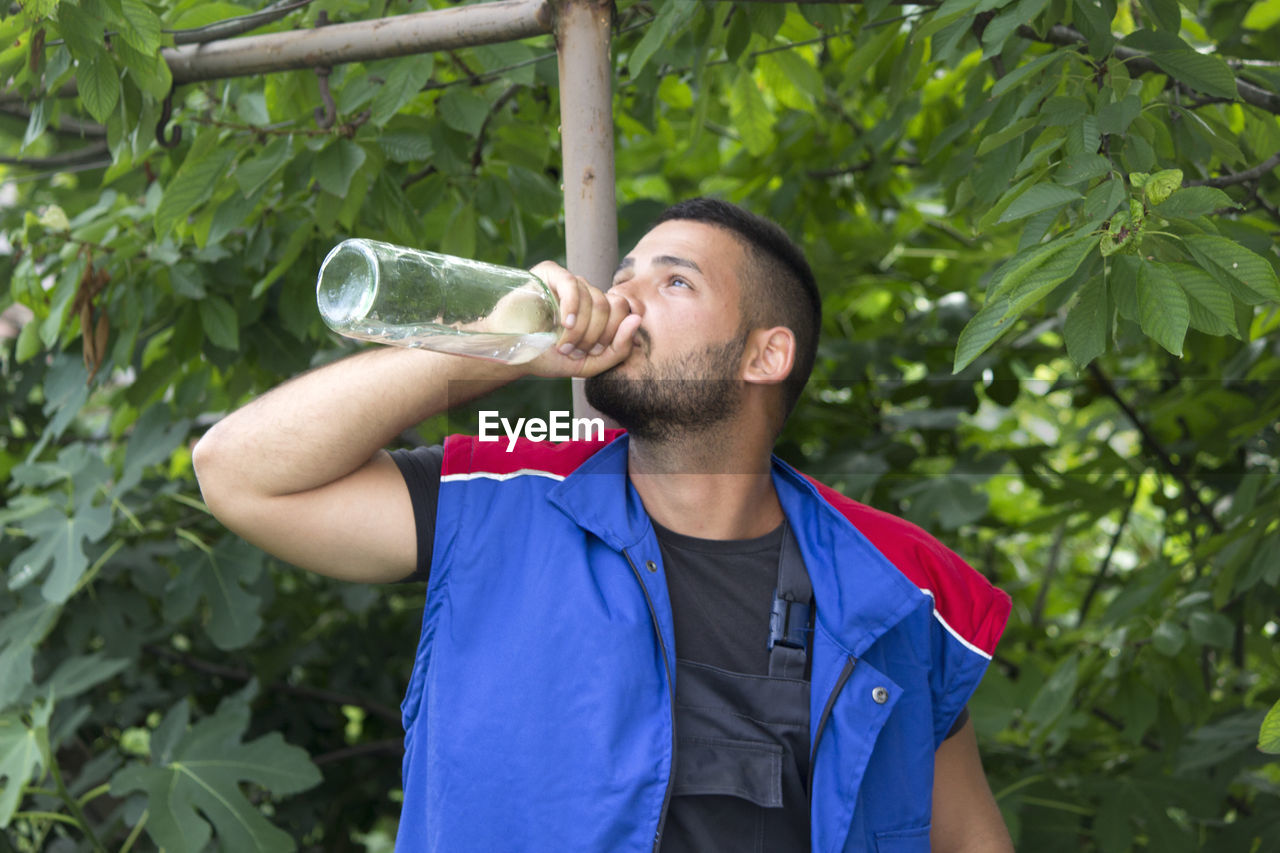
791,620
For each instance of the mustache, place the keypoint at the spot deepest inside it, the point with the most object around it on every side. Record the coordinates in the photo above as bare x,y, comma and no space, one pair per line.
642,338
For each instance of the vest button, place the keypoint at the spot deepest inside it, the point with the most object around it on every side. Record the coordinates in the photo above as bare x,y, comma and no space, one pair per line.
651,565
879,695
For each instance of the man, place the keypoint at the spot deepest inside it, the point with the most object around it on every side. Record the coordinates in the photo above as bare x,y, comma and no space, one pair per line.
663,641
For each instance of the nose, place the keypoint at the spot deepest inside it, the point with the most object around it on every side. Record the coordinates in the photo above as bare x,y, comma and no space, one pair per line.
630,292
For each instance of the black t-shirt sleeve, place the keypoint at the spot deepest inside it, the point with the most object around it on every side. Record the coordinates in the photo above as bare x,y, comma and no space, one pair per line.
421,469
960,721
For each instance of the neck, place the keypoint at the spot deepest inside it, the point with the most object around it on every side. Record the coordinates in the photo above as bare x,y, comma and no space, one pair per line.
710,486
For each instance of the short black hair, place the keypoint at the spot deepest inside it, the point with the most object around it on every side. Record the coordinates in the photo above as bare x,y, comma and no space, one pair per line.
781,284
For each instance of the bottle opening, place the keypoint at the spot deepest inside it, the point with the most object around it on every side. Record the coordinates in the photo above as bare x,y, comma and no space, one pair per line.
348,284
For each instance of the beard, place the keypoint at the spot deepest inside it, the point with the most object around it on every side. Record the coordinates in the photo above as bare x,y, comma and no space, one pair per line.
667,401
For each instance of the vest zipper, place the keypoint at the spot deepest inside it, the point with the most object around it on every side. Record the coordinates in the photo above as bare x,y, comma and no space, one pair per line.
662,646
826,712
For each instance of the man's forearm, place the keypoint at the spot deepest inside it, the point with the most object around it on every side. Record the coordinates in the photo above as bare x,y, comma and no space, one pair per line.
326,423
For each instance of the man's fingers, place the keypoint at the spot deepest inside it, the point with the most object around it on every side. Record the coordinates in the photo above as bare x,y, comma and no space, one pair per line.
619,310
595,323
565,286
618,348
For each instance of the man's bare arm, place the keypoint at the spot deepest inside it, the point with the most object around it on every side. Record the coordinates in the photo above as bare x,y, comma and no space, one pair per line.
300,471
966,818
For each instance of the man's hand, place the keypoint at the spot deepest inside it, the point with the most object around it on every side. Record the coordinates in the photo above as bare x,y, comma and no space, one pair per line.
599,328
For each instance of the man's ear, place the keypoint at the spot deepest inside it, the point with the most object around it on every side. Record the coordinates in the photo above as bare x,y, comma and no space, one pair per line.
769,355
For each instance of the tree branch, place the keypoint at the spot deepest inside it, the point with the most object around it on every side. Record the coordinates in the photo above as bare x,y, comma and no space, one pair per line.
1271,209
1096,584
860,167
1232,178
66,126
1136,60
1153,444
497,104
238,674
1051,570
392,746
86,154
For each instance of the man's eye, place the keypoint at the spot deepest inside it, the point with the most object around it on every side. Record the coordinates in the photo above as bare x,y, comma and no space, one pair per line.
676,281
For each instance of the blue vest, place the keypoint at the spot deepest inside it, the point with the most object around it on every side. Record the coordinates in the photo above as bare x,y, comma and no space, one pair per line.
539,713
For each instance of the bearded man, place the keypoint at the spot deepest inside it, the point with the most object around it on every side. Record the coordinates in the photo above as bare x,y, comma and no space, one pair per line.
667,640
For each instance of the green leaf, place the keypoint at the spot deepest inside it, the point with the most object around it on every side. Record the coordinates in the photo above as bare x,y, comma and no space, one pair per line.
1191,202
1022,72
1163,312
943,16
59,542
139,26
1249,275
406,147
460,237
1055,697
1083,137
98,82
1268,735
405,80
199,784
788,69
1168,638
1208,74
1211,629
1158,187
1081,167
1063,110
1213,311
156,434
1165,13
256,171
337,164
1038,198
1037,278
29,342
77,674
220,323
981,331
24,744
1093,18
658,32
224,578
750,114
288,256
21,630
999,29
191,186
463,111
1102,201
1000,137
1085,329
1116,117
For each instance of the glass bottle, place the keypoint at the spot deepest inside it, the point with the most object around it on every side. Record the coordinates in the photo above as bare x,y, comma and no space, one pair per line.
374,291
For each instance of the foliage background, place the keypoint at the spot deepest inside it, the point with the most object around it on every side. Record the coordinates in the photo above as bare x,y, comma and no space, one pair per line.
969,181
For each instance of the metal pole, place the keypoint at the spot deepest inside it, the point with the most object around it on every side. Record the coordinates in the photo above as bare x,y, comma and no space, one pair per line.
583,33
400,35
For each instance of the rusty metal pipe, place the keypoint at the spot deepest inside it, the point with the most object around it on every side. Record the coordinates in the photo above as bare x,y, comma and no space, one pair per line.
360,41
583,37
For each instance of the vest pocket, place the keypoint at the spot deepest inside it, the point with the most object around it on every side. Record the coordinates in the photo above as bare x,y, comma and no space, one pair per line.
734,768
903,841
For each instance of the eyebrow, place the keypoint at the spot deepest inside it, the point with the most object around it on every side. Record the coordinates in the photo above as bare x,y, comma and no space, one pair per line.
661,261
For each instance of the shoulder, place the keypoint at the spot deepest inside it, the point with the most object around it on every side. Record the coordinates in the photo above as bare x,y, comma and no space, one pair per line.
467,457
969,606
